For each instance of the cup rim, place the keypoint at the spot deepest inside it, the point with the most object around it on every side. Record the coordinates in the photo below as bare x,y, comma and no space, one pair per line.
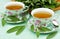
11,3
42,9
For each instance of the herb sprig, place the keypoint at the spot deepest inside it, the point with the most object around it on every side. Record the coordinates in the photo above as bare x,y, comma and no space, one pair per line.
17,29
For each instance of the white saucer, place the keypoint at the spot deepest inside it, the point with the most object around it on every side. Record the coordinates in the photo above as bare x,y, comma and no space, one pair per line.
50,25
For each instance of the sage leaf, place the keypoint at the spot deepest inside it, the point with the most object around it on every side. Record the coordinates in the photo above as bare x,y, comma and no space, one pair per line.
32,28
51,35
58,4
43,29
43,1
24,18
50,1
13,29
3,22
13,18
50,6
20,30
37,33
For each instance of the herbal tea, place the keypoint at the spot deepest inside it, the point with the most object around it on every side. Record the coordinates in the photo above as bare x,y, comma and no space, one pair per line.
14,7
42,14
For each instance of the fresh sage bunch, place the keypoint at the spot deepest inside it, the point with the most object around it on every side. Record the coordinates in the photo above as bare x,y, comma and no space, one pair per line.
40,3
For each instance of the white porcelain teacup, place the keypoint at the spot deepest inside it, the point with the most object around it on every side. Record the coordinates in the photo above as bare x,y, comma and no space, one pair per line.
44,15
14,8
16,11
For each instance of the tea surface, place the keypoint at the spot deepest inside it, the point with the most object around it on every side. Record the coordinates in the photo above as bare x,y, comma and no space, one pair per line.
42,14
14,7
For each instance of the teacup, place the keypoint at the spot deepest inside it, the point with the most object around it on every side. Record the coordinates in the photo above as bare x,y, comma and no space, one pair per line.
43,15
14,9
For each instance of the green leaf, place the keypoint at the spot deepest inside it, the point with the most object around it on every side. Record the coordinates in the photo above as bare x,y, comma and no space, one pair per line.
51,35
24,18
43,29
13,29
13,18
43,1
37,33
50,1
53,2
3,22
58,4
32,28
20,30
49,6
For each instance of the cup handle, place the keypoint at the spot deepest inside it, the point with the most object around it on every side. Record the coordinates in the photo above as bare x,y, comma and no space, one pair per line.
25,9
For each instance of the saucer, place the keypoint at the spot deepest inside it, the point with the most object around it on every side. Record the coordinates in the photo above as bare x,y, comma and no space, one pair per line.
21,19
51,26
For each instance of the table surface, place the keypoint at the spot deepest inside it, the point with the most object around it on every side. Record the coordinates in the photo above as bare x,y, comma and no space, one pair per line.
26,34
